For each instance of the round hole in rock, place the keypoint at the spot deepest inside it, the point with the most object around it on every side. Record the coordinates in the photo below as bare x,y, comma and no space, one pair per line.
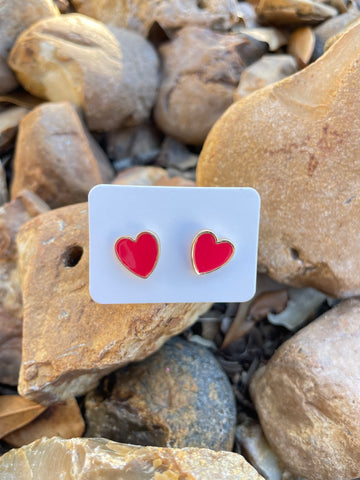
72,255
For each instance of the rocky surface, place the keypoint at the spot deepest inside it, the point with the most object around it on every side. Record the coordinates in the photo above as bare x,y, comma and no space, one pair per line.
15,17
10,347
12,215
165,401
204,67
296,142
54,157
172,14
62,420
308,397
75,58
101,459
69,341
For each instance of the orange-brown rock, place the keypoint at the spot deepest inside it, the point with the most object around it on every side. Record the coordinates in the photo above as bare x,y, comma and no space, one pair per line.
293,12
12,216
308,397
63,420
297,143
54,158
172,14
15,17
73,57
201,70
10,347
140,176
69,341
100,459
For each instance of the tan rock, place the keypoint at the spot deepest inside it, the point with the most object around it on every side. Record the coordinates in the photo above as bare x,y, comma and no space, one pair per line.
15,17
54,158
12,216
9,121
294,12
297,143
301,45
274,37
140,176
90,459
75,58
140,15
269,69
69,341
63,420
308,397
174,182
201,70
10,347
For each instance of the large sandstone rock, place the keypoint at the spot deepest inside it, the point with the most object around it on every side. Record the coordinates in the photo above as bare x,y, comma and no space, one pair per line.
140,15
308,397
12,216
15,17
54,158
100,459
201,70
76,58
69,341
297,143
187,381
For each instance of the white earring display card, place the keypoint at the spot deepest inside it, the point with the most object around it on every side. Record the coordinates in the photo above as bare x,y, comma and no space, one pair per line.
172,244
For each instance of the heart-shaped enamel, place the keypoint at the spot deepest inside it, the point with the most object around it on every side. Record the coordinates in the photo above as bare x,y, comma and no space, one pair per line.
140,256
209,254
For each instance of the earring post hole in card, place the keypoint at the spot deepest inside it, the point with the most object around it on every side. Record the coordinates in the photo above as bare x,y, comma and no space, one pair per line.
172,244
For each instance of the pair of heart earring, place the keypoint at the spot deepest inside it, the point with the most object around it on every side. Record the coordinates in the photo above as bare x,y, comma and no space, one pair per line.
140,255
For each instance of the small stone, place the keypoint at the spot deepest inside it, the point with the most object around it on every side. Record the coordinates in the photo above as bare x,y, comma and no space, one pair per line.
140,176
269,69
308,397
75,58
172,14
301,45
293,12
296,142
16,16
69,341
54,158
9,121
201,70
165,181
101,459
175,154
186,381
10,347
132,146
4,195
274,37
12,216
63,420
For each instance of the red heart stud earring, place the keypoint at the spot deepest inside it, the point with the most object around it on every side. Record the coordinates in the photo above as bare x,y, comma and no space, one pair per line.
139,256
208,253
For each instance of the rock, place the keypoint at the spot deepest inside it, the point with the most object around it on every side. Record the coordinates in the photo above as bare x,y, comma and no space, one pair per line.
12,216
9,121
293,12
332,27
288,141
3,186
83,458
140,176
69,341
172,14
274,37
269,69
75,58
63,420
15,17
54,158
175,154
174,182
10,347
133,146
164,401
201,70
301,45
308,397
